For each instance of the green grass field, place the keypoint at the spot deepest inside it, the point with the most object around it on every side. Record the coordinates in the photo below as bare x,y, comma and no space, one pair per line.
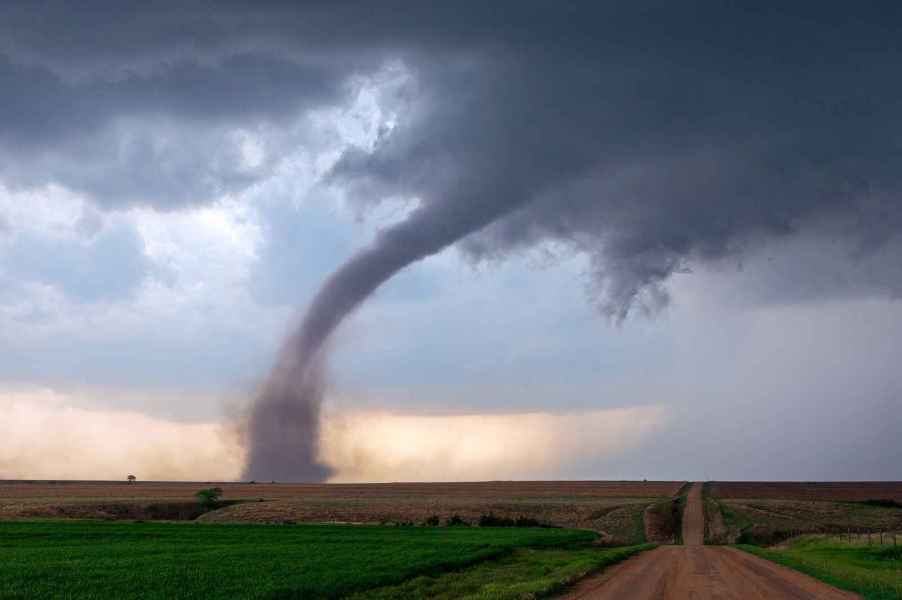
524,573
875,571
90,559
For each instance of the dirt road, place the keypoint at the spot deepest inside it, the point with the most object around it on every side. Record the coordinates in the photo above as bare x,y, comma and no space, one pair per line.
694,517
699,572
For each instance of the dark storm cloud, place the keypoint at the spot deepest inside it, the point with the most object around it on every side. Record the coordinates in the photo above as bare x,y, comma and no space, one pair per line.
651,138
715,121
161,138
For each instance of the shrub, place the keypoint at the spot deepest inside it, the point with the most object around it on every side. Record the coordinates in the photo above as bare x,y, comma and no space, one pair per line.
431,521
209,497
456,521
883,502
528,522
490,520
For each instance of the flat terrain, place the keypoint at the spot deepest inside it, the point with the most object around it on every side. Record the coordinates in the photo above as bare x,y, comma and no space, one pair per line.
258,534
699,572
107,490
85,559
613,508
812,491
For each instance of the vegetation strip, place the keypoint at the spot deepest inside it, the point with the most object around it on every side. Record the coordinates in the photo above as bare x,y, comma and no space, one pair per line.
524,573
91,559
874,571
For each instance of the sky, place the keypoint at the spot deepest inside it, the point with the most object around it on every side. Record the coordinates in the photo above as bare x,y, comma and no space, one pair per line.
654,241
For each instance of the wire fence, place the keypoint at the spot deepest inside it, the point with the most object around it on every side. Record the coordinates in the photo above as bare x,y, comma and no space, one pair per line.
870,538
856,537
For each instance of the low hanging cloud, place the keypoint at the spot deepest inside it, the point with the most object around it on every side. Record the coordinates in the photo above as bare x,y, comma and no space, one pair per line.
378,446
45,436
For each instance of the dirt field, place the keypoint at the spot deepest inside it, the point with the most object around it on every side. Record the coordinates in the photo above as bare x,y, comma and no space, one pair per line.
120,490
767,513
696,571
822,491
613,508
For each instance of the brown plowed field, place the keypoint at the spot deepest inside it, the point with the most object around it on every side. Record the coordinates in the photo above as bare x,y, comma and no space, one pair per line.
768,512
829,491
612,507
106,490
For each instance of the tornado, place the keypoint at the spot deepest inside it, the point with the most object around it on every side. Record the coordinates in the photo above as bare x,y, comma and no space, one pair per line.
283,427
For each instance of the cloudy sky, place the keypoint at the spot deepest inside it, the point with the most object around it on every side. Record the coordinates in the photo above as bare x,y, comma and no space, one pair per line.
656,242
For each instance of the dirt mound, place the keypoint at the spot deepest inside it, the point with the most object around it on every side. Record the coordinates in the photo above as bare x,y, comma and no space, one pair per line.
662,522
717,531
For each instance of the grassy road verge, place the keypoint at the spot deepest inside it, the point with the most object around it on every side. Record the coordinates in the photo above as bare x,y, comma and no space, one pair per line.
875,572
524,573
91,559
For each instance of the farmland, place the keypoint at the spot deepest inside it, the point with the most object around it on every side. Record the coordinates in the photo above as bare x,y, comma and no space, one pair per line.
765,513
397,540
614,509
88,559
811,491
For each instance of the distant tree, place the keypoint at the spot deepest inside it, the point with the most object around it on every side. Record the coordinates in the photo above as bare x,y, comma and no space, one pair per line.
132,479
208,497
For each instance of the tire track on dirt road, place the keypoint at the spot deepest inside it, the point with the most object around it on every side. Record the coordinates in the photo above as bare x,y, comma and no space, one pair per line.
698,572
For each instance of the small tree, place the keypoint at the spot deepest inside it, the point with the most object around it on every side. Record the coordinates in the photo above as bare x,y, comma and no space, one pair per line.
132,478
209,497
